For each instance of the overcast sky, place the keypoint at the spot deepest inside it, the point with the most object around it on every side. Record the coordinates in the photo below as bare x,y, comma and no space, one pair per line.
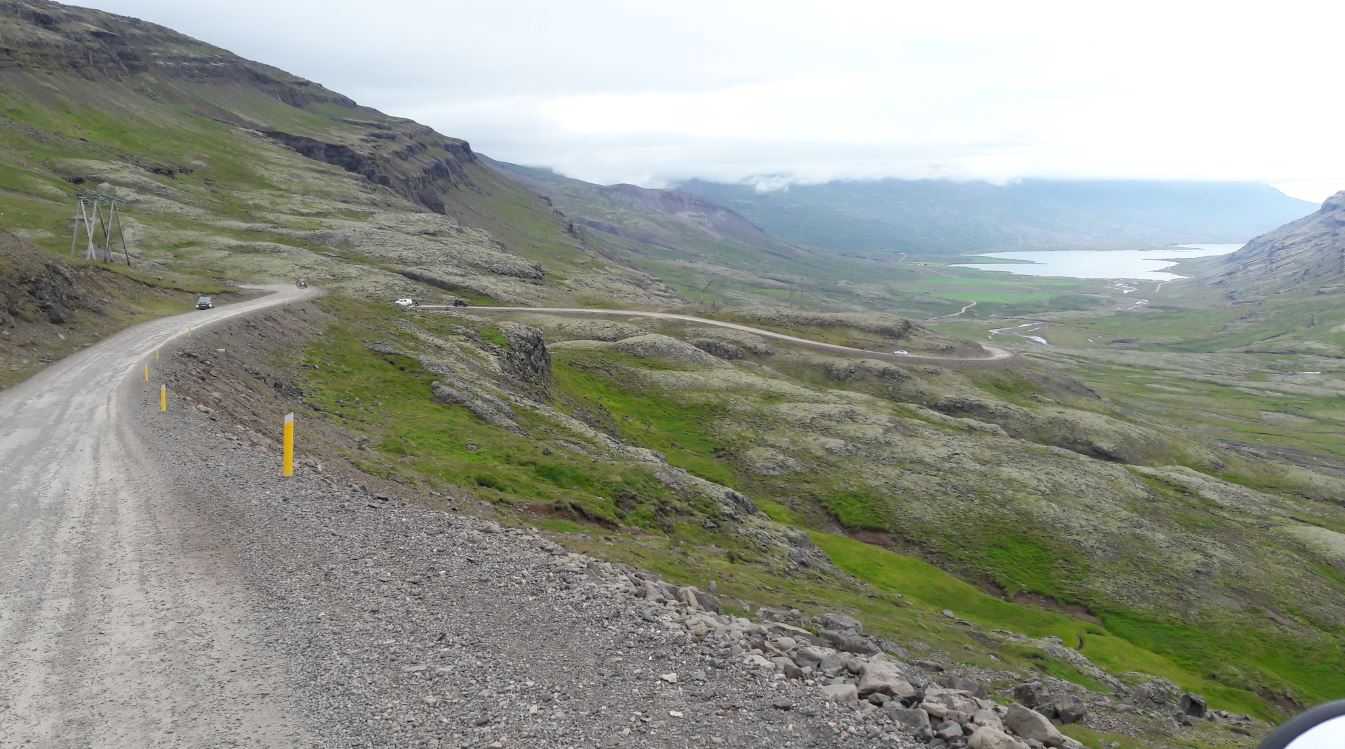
783,91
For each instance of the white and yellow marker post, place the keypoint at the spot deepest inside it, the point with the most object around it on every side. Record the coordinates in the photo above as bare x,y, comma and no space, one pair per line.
287,459
163,398
146,373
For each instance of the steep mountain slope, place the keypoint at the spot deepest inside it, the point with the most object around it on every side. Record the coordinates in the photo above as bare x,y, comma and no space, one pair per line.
933,216
233,168
1307,255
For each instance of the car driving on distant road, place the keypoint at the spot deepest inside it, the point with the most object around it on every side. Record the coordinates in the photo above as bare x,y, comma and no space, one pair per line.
205,302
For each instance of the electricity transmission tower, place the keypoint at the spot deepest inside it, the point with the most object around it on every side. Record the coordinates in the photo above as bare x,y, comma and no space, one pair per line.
102,210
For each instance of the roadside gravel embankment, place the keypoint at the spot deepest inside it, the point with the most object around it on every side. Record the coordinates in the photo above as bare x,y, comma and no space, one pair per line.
415,627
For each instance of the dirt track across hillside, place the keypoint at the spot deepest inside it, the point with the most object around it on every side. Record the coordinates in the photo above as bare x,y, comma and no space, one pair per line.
994,354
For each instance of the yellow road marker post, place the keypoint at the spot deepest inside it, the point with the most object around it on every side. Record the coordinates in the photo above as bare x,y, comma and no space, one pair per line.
189,332
288,450
146,373
156,354
163,398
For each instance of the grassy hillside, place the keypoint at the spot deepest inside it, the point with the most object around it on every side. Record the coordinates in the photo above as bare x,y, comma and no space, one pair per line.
939,217
1021,501
232,169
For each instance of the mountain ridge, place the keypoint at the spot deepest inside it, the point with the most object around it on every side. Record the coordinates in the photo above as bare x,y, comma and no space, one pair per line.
944,216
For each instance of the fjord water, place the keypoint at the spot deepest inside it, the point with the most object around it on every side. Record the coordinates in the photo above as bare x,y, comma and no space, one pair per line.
1140,265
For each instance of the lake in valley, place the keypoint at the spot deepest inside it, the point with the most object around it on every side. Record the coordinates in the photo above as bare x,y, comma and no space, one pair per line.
1141,265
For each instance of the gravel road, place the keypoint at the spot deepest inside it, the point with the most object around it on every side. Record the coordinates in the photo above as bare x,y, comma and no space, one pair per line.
993,353
122,621
164,586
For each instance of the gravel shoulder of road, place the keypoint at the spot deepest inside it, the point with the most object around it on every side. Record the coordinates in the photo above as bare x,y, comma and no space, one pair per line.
410,626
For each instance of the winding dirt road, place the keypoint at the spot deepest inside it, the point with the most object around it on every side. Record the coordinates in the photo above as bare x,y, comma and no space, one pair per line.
994,353
120,619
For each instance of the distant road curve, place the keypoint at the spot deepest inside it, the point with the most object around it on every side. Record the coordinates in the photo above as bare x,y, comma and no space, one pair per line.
955,314
993,353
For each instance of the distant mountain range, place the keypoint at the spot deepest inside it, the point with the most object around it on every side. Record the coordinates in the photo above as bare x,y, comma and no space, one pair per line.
1304,255
683,239
941,216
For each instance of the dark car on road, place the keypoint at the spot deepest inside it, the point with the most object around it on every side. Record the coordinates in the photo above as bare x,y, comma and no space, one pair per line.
205,302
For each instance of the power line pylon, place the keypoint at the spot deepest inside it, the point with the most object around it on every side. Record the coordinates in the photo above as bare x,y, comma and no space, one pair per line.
89,210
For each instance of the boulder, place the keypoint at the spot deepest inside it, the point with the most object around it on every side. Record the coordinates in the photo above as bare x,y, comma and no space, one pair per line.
963,683
698,599
1032,694
884,676
911,717
810,657
1156,693
840,623
1193,705
845,693
1030,724
850,641
987,737
833,663
758,661
788,630
1069,710
949,730
985,717
939,702
655,591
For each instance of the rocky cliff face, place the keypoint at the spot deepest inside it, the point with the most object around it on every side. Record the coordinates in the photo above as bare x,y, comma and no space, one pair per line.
1305,255
33,288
